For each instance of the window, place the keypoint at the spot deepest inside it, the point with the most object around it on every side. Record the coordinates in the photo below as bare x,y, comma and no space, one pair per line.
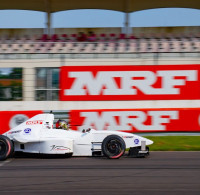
11,84
47,84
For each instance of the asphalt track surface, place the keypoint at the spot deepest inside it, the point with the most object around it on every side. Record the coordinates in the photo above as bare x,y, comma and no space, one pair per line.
160,173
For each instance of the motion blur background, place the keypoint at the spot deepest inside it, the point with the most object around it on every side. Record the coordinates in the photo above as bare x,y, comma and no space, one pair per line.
40,49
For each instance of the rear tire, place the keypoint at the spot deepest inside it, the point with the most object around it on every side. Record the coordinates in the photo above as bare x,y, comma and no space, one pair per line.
113,146
6,147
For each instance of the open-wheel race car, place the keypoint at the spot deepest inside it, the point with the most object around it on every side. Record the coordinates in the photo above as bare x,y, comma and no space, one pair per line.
37,136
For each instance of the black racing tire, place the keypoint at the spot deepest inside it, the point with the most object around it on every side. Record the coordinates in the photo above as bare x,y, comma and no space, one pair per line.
113,146
6,147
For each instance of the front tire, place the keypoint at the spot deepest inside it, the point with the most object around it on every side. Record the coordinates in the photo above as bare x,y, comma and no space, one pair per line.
113,146
6,147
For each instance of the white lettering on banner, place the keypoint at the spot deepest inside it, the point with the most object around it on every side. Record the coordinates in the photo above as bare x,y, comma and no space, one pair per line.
169,82
127,120
104,82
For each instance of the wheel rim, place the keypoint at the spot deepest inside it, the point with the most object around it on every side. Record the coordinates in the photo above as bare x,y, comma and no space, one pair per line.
114,147
2,147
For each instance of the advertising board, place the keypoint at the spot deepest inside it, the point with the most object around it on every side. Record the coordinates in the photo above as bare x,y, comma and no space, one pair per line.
138,120
127,120
111,83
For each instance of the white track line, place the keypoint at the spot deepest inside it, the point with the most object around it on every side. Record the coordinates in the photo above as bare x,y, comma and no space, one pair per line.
5,162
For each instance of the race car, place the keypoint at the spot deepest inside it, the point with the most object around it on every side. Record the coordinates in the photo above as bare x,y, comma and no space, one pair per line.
37,135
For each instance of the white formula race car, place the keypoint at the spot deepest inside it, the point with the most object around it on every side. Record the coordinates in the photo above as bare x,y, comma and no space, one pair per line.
37,135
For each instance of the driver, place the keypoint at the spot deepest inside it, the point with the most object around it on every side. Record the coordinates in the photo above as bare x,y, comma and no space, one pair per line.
62,124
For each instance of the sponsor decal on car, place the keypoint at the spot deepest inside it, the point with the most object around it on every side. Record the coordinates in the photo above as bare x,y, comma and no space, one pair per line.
127,136
12,132
136,141
27,131
59,148
36,122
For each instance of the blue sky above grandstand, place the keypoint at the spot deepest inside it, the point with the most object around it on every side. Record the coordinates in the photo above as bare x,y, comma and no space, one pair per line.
100,18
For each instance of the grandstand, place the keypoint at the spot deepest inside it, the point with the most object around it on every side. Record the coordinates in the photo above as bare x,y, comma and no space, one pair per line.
159,40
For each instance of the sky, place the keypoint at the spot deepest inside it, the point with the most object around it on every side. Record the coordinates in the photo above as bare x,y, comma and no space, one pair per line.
100,18
5,71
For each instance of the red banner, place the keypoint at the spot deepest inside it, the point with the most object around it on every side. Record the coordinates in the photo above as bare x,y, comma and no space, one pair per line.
138,120
128,120
10,119
156,82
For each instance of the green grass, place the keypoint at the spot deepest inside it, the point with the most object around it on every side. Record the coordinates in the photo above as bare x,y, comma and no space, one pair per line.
174,143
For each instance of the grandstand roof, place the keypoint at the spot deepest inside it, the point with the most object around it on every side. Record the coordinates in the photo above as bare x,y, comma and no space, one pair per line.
117,5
